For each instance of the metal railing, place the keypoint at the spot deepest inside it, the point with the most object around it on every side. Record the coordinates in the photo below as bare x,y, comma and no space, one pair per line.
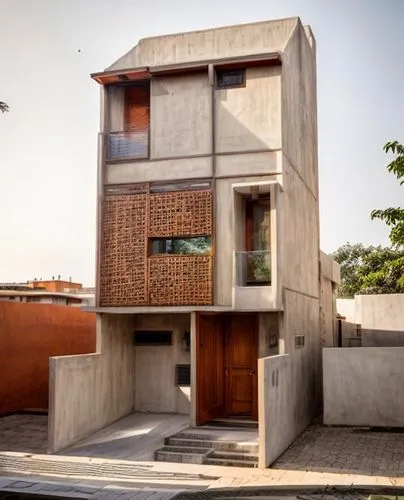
127,145
253,268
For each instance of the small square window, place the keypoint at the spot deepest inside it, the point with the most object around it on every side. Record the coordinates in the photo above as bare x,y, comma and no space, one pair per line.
230,78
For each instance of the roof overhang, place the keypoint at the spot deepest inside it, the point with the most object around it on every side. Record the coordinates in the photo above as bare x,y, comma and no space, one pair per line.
145,73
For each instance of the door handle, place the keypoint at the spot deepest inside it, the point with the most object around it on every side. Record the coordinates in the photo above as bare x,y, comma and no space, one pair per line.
252,372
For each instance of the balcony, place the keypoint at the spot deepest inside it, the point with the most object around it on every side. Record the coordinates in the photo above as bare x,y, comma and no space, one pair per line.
133,145
252,280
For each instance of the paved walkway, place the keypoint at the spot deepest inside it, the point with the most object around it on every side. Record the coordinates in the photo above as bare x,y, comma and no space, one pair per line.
135,437
345,450
28,433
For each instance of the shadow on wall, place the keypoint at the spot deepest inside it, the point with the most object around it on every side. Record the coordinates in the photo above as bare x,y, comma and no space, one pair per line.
29,335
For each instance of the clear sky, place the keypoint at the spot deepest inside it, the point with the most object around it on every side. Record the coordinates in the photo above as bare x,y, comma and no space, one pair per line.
48,139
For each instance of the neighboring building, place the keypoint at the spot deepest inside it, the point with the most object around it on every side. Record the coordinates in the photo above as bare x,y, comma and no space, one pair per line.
56,285
208,231
48,292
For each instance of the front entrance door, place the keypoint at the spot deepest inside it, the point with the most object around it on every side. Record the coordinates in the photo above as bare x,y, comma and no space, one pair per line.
226,367
241,360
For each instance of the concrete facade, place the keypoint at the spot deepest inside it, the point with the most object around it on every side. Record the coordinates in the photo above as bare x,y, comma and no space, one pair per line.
259,137
91,391
364,386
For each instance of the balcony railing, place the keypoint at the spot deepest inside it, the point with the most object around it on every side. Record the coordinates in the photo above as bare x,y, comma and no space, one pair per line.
127,145
253,268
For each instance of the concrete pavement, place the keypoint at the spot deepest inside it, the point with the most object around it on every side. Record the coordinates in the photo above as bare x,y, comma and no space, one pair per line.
90,477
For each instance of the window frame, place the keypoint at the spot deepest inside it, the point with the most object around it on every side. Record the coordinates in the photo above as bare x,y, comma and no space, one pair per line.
233,70
166,254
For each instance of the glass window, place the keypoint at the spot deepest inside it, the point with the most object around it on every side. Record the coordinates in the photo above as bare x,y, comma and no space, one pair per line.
228,79
181,246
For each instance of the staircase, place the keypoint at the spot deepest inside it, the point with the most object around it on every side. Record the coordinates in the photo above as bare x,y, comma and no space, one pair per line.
211,446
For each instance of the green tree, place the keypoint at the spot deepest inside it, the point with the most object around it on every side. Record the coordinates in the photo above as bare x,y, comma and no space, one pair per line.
394,217
366,270
3,107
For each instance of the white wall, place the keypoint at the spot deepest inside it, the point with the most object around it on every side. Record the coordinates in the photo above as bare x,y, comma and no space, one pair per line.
364,386
346,308
155,367
380,312
88,392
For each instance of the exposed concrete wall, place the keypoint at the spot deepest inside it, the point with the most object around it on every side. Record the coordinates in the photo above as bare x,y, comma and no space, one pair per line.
249,118
350,334
91,391
228,41
299,107
29,335
115,114
346,308
161,170
181,120
227,238
327,313
248,164
380,312
155,367
382,338
284,383
329,279
268,334
299,234
364,386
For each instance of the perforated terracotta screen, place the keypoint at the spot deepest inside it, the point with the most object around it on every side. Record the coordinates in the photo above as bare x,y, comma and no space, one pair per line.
180,280
181,213
123,251
130,274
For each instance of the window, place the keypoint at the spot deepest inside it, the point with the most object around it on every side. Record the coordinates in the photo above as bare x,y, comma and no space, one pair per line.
143,337
230,78
181,246
183,375
299,341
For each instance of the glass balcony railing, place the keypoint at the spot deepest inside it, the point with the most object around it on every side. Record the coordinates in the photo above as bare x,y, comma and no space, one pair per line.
253,268
127,145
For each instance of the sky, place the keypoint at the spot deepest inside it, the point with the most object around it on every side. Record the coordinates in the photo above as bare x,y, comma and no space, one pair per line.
48,140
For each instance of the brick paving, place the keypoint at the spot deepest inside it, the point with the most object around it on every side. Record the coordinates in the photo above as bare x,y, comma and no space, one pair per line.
25,433
345,450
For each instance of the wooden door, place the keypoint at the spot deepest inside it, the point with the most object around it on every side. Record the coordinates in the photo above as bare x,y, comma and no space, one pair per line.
209,368
241,366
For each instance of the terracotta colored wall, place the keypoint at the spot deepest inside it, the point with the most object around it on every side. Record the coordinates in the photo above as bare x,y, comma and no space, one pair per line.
29,335
56,285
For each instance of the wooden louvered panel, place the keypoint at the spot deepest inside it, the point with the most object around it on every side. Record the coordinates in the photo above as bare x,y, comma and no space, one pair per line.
137,109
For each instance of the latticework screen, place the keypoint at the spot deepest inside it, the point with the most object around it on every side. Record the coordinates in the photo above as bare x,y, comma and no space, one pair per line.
181,213
180,280
123,273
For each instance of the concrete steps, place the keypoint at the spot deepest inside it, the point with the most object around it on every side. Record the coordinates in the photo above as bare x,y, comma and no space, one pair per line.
206,448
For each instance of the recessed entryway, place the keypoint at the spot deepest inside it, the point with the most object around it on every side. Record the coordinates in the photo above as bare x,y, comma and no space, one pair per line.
226,366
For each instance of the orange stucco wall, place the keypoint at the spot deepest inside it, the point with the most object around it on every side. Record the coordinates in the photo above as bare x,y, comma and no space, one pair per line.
29,335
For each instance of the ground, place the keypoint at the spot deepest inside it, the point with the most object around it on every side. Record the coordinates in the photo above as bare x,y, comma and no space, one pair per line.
339,450
346,450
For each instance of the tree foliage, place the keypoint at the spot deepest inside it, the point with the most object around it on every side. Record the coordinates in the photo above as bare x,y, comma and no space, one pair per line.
394,217
3,107
370,270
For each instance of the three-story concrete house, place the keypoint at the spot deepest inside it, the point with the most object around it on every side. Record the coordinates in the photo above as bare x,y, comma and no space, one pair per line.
208,234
